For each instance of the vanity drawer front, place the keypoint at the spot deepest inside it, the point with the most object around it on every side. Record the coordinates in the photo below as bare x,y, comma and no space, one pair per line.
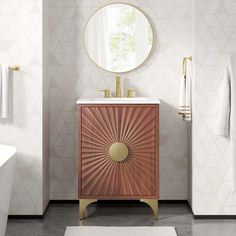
134,126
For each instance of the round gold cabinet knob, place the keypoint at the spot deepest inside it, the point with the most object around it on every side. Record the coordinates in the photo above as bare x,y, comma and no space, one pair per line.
118,151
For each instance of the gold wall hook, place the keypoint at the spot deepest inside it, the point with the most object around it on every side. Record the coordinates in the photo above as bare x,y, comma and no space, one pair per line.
15,67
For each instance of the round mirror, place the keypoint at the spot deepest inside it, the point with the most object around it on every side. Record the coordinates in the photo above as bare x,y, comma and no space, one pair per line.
118,37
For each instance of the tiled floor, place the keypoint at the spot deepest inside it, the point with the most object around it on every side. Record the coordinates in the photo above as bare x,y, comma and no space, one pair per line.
61,215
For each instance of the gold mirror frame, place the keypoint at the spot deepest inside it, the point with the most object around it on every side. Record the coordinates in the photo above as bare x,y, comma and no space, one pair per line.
153,35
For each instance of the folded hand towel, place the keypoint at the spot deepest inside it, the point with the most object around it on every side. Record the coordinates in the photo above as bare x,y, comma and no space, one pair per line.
185,98
4,91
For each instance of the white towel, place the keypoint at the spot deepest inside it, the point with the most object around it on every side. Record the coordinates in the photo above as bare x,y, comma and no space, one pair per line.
223,119
4,91
226,125
185,98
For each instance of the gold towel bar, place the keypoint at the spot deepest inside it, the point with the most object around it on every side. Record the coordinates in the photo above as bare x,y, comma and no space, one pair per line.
184,68
15,67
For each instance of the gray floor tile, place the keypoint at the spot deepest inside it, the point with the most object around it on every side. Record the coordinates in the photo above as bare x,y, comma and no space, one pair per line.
59,216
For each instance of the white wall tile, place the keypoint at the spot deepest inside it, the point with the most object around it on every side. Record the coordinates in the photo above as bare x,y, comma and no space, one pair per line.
75,76
211,157
21,33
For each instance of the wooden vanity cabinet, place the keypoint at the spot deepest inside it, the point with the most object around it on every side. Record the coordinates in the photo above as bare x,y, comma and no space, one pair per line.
118,153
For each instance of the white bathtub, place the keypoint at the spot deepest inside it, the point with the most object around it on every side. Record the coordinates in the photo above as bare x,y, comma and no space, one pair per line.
7,166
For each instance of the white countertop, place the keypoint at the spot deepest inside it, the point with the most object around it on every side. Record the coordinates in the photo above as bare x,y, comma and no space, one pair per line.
137,100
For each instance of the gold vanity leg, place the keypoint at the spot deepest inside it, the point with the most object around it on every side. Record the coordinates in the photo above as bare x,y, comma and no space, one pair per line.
153,203
83,203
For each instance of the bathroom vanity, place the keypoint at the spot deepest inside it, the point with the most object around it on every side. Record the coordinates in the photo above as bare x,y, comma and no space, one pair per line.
118,138
118,150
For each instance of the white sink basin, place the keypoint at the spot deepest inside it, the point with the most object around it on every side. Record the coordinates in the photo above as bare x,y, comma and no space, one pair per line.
137,100
119,99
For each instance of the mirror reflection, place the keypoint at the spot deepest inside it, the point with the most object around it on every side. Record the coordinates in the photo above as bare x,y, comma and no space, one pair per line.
118,38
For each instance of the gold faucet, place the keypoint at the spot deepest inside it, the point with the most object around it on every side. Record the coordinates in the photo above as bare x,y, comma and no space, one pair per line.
118,86
131,93
107,93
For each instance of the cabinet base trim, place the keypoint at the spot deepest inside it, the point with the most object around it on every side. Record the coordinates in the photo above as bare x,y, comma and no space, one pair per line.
83,203
153,203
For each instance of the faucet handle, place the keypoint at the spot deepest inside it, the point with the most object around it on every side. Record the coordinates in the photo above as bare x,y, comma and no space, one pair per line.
107,93
131,93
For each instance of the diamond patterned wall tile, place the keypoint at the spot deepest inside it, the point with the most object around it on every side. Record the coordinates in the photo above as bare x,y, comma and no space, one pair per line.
21,33
212,193
74,76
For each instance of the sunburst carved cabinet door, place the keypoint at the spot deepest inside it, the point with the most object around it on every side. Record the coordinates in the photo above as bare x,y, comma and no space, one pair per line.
135,126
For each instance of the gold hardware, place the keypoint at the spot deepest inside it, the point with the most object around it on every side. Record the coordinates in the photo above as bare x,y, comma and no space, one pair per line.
16,67
118,86
153,203
107,93
131,93
184,65
83,203
118,151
